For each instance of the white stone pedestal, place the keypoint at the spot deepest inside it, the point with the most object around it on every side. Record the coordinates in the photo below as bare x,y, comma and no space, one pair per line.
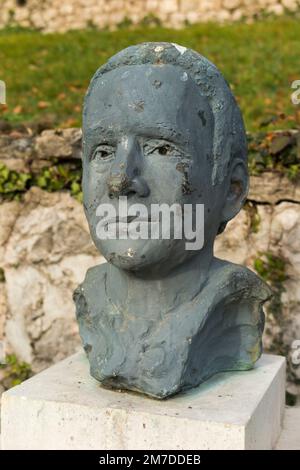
64,408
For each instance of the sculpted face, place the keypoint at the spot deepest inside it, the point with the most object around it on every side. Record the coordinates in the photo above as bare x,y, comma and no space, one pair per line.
148,134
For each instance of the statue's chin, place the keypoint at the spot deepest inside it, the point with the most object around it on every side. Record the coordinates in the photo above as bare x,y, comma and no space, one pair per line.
137,255
126,264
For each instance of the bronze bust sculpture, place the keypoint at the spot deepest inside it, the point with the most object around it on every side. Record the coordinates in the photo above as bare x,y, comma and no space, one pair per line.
161,126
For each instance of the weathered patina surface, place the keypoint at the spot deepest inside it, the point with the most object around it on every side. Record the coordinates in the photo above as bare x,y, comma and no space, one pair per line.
161,125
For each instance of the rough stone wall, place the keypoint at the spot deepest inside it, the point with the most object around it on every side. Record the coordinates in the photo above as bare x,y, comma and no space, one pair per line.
55,15
45,250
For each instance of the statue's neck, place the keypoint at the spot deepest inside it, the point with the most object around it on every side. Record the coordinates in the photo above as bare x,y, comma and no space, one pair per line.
151,293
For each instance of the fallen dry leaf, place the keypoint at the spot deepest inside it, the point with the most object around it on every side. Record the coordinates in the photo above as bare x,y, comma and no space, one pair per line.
18,109
43,104
61,96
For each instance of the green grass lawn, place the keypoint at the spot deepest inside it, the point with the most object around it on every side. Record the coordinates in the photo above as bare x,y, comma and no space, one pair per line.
46,75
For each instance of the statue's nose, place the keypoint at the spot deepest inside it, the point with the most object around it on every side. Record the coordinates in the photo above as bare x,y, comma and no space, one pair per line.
125,175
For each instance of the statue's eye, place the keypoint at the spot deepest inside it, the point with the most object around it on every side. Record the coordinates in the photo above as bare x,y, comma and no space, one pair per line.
164,149
103,152
161,148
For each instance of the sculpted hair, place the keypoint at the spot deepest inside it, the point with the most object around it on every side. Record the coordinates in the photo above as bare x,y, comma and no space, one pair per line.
229,140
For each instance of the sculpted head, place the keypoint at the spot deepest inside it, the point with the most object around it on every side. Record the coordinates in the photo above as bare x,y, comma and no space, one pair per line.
161,125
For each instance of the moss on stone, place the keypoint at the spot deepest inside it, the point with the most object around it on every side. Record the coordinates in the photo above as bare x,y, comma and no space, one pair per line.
13,372
66,176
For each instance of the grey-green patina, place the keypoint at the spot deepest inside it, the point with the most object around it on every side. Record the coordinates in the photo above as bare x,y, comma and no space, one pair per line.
160,125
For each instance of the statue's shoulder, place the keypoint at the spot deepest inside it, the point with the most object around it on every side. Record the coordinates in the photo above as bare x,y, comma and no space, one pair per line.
93,284
95,274
227,332
238,279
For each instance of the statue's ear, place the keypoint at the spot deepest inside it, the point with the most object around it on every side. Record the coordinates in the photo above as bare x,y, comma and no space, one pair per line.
237,190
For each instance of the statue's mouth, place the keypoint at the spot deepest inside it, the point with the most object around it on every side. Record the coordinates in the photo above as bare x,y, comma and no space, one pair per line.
126,220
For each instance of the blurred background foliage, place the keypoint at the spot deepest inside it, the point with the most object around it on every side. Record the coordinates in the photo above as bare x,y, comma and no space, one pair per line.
47,74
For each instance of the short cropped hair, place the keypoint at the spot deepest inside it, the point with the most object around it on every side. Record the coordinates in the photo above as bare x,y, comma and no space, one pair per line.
229,139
